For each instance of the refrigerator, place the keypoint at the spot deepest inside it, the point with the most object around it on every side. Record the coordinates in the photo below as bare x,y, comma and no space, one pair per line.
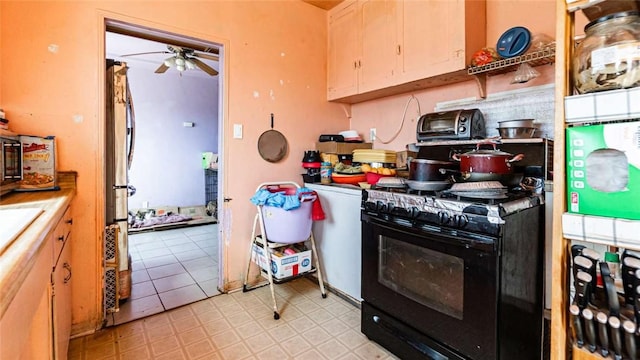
119,142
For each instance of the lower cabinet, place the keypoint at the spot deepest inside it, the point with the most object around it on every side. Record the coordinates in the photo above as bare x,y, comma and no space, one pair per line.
25,327
61,287
61,303
37,323
338,238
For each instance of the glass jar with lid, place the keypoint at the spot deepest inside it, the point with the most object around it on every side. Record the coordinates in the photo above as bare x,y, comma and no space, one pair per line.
609,56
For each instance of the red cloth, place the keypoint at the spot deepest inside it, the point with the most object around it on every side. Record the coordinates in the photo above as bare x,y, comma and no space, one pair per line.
317,213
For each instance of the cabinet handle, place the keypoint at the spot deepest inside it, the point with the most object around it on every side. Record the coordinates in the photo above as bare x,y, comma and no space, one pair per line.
61,238
67,267
355,65
70,221
359,64
398,50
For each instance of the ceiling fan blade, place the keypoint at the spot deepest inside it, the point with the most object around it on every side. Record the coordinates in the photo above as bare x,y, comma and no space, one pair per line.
205,56
204,67
147,53
161,69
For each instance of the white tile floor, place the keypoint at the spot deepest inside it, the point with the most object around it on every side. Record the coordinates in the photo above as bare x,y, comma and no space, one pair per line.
170,268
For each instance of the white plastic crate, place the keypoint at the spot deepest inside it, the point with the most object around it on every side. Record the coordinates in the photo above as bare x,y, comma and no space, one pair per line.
611,105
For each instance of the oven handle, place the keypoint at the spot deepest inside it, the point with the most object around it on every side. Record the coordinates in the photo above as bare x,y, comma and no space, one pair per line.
485,244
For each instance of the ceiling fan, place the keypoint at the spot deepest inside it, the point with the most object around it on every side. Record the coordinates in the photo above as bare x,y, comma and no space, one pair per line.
182,59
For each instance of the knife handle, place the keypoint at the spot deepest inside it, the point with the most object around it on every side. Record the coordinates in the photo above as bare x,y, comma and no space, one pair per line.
629,267
576,250
629,338
602,320
583,289
616,341
587,314
636,304
610,289
574,310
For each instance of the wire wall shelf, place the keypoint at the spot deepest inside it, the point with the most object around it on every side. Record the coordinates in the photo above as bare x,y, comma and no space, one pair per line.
535,58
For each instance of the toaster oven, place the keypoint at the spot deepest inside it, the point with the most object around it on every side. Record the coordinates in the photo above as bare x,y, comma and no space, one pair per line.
464,124
10,163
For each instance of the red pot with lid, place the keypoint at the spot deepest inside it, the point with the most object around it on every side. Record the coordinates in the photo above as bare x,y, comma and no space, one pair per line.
486,164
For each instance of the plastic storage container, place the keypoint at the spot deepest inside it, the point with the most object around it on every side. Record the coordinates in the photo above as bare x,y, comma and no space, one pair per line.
609,56
287,226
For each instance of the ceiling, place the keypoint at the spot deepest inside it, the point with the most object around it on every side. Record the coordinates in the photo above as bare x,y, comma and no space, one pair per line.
118,45
324,4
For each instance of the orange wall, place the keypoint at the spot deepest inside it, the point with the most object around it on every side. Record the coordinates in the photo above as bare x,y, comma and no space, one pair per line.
276,61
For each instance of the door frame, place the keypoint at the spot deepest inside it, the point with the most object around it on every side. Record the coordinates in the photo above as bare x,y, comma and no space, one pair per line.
107,22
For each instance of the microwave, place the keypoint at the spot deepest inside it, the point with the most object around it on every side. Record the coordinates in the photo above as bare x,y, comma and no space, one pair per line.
451,125
603,169
10,163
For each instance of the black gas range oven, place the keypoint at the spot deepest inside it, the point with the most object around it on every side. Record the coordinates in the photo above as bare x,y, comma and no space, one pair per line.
453,278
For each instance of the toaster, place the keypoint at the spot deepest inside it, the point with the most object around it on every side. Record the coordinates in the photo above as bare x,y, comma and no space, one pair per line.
465,124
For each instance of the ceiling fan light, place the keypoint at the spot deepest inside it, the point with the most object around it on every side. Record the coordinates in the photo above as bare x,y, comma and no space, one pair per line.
170,62
190,64
180,67
180,61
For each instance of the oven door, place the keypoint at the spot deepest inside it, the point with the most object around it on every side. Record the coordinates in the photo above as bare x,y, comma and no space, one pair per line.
438,281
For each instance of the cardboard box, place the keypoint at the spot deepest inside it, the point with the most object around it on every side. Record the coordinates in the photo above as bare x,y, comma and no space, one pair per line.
38,163
283,266
402,157
333,147
603,170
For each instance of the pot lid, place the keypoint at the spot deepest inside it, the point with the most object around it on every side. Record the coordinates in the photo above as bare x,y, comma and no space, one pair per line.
487,152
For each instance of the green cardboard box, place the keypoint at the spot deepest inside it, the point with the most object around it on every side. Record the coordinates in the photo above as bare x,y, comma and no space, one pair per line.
603,169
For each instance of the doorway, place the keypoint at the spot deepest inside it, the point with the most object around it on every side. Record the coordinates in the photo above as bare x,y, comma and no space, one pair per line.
170,239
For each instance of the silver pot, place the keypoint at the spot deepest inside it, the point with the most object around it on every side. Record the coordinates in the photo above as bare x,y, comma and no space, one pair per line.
527,123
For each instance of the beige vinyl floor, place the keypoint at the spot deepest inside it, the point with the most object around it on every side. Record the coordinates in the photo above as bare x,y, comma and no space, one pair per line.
240,325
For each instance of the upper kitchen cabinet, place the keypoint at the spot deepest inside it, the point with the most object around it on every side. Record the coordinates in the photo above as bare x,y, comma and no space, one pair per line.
382,48
342,58
378,40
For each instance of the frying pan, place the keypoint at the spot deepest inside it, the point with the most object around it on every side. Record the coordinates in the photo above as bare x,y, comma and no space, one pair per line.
272,145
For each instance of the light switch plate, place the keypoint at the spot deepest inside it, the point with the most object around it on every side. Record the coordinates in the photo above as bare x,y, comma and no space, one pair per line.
237,131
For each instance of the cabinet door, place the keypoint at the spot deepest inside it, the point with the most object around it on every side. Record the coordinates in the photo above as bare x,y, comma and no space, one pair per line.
379,44
342,57
61,300
432,34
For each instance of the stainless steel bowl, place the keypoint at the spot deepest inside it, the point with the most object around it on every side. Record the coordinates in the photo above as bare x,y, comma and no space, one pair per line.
516,132
524,123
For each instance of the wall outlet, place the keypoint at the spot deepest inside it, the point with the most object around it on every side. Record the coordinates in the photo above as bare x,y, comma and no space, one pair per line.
145,204
372,134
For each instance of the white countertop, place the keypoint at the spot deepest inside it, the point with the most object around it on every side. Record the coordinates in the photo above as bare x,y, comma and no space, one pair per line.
338,188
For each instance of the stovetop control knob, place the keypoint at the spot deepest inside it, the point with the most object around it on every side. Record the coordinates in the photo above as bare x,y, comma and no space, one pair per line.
460,220
443,217
390,207
414,212
380,206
